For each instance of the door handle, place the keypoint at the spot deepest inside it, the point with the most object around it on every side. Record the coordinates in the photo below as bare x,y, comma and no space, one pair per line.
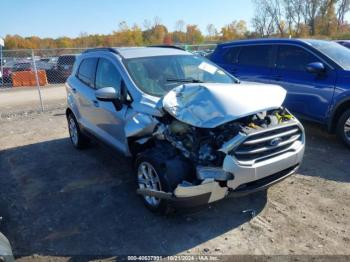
95,102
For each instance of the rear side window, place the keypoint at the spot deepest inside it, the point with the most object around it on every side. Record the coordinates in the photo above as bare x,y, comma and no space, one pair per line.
107,75
259,55
86,72
231,55
294,58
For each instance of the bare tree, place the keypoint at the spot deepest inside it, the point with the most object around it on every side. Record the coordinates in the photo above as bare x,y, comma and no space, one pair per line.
343,8
294,11
147,24
267,12
211,30
123,26
157,21
262,21
274,8
312,9
180,25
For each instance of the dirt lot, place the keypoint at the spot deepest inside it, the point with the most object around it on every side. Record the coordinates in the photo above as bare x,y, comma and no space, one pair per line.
26,99
57,201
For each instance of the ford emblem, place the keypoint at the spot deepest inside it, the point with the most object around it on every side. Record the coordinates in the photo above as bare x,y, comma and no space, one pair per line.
275,141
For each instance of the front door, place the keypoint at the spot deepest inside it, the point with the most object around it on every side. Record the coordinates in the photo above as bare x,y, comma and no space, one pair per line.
108,121
308,94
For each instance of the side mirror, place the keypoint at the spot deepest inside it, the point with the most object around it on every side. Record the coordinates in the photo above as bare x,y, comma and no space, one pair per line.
316,68
109,94
106,94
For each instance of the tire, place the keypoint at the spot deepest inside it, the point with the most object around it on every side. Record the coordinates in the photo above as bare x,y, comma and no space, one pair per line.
77,138
168,170
343,128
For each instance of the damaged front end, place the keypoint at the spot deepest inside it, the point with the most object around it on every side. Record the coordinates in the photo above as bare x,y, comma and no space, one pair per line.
236,142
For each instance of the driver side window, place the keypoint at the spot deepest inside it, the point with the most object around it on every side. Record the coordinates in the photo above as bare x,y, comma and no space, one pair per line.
107,75
294,58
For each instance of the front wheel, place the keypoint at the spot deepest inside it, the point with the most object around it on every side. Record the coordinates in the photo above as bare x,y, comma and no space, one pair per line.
343,128
148,178
160,169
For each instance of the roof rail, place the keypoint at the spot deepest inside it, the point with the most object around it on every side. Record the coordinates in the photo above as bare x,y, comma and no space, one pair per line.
107,49
167,46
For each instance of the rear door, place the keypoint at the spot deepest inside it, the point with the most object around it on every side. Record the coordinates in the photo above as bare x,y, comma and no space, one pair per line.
227,58
255,62
308,95
84,92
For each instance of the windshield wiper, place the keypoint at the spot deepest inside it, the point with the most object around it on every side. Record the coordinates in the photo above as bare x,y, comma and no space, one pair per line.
188,80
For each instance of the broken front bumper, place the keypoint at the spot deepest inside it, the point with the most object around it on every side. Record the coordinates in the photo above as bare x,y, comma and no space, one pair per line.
241,179
215,192
204,194
246,178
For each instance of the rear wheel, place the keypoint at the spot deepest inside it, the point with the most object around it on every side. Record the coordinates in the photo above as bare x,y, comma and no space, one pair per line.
343,128
78,139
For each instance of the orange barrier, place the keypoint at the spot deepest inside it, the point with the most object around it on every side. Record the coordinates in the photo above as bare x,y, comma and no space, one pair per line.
27,78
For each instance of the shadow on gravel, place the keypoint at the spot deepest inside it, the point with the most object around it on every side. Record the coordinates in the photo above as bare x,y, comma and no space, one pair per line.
59,201
325,156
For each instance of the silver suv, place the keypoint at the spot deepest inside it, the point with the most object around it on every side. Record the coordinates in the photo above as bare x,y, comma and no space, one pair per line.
196,133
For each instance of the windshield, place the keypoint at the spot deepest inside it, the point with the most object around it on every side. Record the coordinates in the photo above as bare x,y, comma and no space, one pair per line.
335,51
159,74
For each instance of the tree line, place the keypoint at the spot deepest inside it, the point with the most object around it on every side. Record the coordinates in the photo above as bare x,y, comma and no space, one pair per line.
272,18
151,33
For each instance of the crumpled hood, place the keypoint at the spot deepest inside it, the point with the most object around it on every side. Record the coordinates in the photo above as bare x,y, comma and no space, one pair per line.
209,105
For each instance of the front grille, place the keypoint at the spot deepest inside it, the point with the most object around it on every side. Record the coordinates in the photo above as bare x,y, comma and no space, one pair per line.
263,145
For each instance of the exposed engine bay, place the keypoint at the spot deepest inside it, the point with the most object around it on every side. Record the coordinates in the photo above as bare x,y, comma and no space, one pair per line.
218,139
202,145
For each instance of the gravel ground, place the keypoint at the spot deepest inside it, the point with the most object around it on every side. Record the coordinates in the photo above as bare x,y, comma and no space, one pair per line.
24,100
58,202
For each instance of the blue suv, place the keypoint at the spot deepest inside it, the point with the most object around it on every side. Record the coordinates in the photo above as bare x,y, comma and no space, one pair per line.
315,73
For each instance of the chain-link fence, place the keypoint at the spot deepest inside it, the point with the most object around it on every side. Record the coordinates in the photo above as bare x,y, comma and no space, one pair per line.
43,67
25,68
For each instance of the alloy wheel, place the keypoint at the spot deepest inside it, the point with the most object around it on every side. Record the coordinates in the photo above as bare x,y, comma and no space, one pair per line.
73,130
147,178
347,129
